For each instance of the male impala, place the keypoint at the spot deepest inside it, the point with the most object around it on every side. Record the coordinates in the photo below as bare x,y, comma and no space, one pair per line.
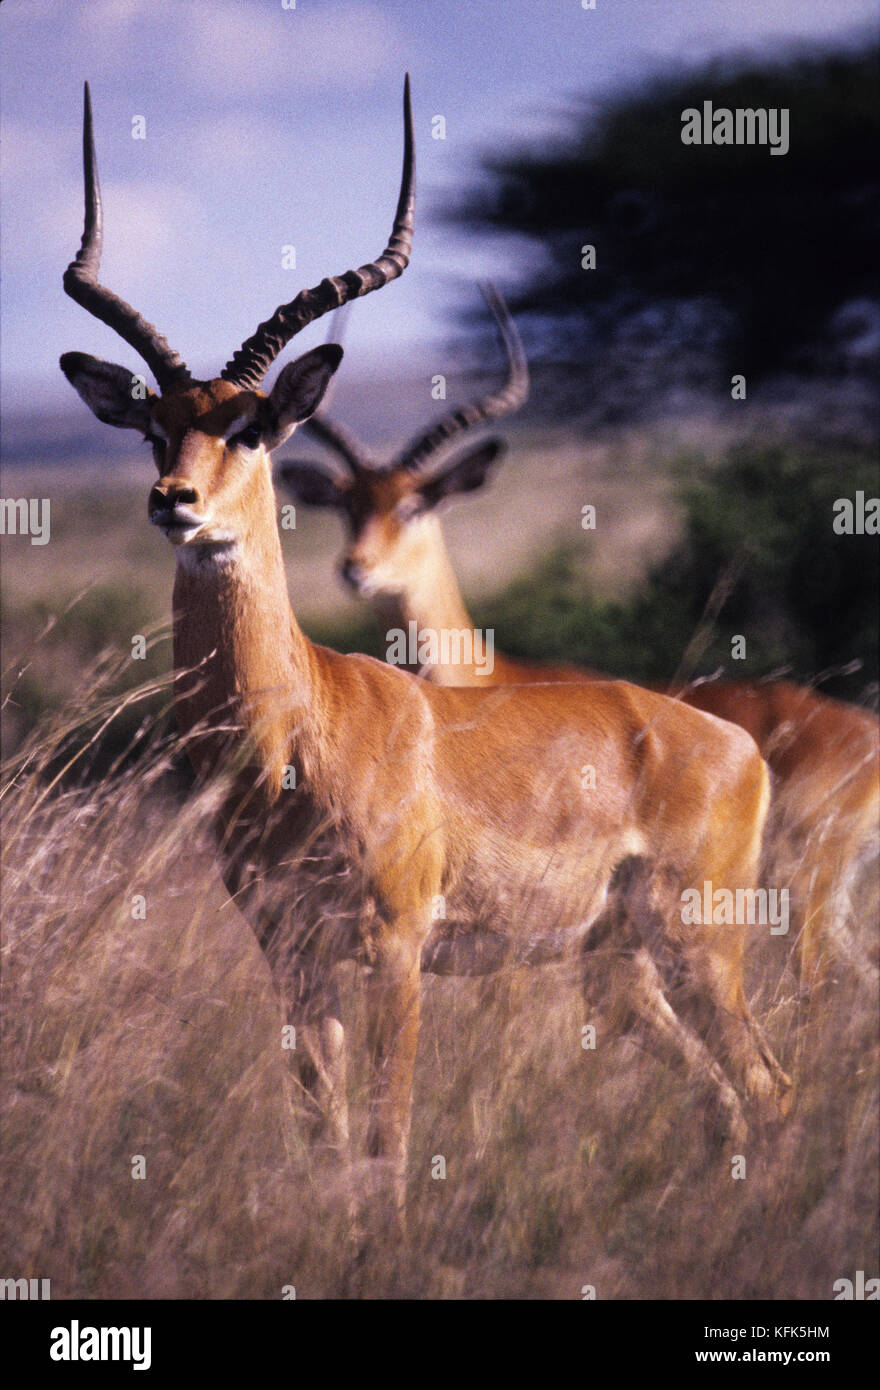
823,754
358,798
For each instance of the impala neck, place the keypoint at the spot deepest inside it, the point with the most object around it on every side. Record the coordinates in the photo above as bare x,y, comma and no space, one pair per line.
432,600
254,682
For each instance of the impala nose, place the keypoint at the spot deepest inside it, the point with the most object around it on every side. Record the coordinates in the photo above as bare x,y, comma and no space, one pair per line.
175,506
170,493
352,573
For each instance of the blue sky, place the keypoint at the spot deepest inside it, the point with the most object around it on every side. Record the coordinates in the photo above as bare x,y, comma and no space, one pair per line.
268,127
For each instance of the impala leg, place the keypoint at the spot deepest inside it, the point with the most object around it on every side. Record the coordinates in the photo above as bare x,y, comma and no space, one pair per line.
637,1002
817,898
393,996
311,997
701,969
321,1064
322,1071
306,986
714,997
831,843
809,846
752,1062
714,954
825,936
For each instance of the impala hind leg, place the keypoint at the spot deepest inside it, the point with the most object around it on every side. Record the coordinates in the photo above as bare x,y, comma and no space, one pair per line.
696,973
739,1040
712,952
816,888
637,1004
393,1000
830,838
815,883
825,938
711,996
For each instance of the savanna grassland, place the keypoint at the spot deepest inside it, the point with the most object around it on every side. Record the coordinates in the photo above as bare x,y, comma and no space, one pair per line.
153,1030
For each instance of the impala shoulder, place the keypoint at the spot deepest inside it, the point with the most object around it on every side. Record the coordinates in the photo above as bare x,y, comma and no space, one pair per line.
736,740
357,676
730,740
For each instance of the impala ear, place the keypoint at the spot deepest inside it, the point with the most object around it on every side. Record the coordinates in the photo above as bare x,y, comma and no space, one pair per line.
310,484
116,395
465,473
298,391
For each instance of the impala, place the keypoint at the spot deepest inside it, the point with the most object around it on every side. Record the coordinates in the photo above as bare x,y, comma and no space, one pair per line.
358,798
823,754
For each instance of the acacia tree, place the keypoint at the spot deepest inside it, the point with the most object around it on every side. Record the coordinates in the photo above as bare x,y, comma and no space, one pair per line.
709,258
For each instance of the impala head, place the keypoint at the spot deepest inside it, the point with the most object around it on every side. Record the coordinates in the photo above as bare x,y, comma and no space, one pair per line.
211,440
389,508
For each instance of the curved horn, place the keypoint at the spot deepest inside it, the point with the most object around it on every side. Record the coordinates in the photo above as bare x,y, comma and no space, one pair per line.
81,278
510,397
249,364
341,440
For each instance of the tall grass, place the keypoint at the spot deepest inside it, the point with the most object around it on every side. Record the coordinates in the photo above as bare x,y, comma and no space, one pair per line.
158,1035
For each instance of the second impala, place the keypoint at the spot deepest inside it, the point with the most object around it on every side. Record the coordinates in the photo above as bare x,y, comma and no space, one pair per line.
824,755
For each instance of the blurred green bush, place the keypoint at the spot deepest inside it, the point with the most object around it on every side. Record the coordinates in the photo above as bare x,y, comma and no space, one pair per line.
804,598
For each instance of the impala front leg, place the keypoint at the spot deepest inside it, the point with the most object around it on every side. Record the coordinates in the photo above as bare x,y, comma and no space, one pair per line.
306,985
321,1064
393,995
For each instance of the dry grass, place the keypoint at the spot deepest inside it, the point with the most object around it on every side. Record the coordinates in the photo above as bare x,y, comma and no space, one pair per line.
160,1037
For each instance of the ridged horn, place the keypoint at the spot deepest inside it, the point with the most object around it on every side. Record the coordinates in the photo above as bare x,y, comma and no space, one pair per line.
81,278
510,397
342,441
249,364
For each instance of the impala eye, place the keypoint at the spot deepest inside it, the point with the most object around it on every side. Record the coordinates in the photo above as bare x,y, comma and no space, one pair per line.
249,437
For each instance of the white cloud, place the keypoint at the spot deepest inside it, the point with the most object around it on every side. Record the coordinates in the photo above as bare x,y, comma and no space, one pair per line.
105,19
142,223
146,220
226,143
27,146
249,50
235,48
